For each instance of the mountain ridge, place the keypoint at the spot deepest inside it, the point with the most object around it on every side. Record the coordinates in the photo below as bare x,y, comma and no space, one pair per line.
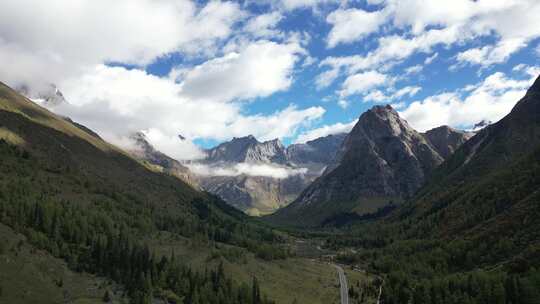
260,194
381,161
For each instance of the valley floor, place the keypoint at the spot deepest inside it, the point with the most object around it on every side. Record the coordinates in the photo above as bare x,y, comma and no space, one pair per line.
30,275
302,279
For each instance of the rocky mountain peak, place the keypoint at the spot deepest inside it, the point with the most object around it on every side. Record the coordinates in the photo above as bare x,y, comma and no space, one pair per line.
320,150
382,159
381,121
49,96
383,109
248,149
263,194
145,151
142,146
249,139
446,139
271,151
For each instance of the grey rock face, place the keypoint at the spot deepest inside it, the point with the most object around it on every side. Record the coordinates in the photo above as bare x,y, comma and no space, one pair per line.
381,159
263,194
446,140
321,150
248,149
385,155
146,152
256,195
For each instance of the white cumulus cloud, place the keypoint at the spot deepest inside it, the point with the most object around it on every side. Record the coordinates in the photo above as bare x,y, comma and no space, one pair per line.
349,25
44,42
264,25
361,82
258,70
116,102
250,169
488,100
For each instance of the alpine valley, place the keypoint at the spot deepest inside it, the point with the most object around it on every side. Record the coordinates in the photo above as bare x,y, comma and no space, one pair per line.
269,152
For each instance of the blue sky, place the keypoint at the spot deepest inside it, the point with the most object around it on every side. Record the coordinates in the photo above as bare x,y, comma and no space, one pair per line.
291,69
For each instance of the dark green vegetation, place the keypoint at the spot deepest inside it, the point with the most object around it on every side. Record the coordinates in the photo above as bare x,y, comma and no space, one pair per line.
30,275
472,233
88,203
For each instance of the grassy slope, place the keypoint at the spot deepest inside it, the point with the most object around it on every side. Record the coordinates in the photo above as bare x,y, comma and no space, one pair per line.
33,276
312,281
68,150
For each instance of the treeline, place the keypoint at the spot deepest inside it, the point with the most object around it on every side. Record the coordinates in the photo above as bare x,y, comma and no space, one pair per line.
103,236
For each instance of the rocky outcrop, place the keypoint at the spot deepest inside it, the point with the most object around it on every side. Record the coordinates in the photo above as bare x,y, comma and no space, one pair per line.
446,140
256,195
321,150
248,149
144,151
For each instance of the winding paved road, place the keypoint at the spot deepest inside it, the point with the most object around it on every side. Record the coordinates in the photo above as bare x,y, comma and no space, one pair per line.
343,283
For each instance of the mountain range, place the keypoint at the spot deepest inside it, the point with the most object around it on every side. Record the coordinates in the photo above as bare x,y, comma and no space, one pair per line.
262,177
270,176
436,213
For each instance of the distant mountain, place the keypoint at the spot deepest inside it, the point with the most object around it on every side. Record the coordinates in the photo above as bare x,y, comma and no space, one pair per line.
259,194
49,97
248,149
256,195
446,140
382,160
321,150
145,151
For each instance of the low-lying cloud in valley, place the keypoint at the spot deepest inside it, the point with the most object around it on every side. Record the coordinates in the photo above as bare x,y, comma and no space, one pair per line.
250,169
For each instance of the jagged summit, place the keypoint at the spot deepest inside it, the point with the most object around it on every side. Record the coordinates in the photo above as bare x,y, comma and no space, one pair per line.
383,109
320,150
446,139
248,149
249,138
145,151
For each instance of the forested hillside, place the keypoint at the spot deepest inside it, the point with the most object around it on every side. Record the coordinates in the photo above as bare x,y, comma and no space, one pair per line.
90,204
